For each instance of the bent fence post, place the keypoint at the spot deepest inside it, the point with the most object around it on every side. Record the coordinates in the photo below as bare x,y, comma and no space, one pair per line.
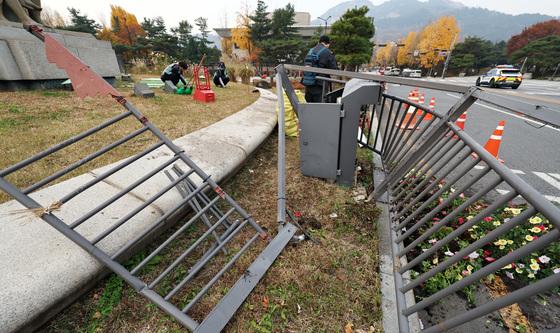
421,169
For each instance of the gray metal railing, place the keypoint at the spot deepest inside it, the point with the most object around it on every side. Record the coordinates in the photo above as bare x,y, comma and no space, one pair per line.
212,231
437,175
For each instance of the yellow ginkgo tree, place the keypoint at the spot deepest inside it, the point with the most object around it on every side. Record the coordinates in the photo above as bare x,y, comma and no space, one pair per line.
405,55
435,37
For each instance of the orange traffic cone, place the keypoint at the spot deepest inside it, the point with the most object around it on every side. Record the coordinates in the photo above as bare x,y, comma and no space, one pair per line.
421,102
432,108
410,94
410,112
493,144
461,121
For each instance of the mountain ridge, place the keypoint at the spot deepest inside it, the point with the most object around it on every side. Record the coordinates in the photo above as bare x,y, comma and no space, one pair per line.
395,18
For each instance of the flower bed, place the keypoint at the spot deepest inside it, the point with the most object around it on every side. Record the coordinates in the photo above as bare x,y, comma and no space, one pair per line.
536,266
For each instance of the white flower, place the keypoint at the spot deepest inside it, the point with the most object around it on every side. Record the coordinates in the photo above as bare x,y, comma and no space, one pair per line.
432,241
474,255
544,259
449,253
556,271
520,265
506,220
509,275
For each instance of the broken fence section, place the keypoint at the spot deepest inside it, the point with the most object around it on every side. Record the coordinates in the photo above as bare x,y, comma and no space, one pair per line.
445,216
182,273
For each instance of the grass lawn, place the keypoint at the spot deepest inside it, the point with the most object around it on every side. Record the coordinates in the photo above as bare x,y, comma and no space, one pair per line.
32,121
328,287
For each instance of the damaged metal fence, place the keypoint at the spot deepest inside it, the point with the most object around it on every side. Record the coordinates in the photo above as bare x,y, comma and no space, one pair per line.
179,272
436,175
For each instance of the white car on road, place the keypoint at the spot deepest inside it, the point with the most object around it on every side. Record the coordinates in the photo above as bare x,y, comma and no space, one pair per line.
501,76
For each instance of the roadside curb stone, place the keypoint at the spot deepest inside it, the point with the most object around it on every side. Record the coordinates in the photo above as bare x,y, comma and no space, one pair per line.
43,272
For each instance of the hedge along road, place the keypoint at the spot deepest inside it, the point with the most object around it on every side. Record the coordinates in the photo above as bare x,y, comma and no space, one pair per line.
530,151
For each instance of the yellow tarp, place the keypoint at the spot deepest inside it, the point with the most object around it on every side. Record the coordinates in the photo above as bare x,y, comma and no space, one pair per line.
291,125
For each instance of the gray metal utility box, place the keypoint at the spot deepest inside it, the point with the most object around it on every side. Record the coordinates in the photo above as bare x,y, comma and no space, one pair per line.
329,131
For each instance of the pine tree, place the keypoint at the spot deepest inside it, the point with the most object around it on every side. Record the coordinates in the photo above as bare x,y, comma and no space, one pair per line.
542,55
186,43
202,25
259,29
212,54
283,45
82,23
351,36
283,20
157,39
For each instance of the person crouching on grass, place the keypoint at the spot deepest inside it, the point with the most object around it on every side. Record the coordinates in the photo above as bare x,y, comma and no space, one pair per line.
174,73
221,77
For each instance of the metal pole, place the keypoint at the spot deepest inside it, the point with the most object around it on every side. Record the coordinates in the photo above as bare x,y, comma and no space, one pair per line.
433,61
448,56
326,22
555,71
523,65
281,154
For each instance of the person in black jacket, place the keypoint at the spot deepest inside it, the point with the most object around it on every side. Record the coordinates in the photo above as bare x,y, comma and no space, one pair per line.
174,73
221,77
326,59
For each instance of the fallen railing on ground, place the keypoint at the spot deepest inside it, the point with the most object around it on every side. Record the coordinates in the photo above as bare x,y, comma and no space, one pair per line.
437,184
181,274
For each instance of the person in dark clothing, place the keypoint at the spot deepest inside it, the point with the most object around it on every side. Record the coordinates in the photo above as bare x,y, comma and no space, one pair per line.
174,73
221,77
322,57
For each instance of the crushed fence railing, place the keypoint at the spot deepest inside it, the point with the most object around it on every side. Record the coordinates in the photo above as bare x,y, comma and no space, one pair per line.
438,185
184,272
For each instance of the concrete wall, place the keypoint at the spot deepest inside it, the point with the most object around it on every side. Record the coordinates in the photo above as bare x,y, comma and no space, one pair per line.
23,58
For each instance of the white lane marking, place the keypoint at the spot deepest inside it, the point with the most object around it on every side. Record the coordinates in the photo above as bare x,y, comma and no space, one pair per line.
555,175
519,172
552,198
547,197
542,93
548,179
508,113
502,192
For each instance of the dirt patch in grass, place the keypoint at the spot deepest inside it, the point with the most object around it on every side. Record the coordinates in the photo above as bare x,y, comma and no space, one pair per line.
32,121
311,287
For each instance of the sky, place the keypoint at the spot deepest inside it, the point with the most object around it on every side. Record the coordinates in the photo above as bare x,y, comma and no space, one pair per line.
219,12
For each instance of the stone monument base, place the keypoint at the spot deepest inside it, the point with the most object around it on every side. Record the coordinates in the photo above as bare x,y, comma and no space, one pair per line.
24,65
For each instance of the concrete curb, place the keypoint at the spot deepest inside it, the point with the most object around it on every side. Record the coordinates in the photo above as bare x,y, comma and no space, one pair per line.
387,265
386,261
43,272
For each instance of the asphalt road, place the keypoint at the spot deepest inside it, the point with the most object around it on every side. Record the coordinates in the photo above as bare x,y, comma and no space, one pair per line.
532,152
538,92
